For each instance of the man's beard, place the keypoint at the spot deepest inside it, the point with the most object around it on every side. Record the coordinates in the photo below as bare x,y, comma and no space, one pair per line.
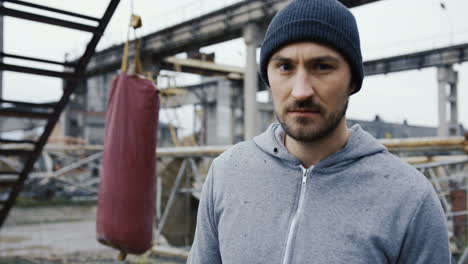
304,129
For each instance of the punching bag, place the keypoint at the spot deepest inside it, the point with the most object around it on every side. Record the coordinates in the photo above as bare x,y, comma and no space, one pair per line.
128,174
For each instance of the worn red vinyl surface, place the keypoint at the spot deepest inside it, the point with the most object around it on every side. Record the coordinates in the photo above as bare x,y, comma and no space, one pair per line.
128,176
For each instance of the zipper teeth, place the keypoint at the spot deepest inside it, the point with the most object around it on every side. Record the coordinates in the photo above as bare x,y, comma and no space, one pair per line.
292,227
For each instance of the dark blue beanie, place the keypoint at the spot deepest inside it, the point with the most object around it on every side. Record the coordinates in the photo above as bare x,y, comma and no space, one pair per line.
326,22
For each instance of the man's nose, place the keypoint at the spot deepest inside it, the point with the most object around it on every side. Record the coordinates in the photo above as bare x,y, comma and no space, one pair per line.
302,87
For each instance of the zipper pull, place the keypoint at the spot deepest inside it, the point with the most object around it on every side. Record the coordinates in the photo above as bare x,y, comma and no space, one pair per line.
304,177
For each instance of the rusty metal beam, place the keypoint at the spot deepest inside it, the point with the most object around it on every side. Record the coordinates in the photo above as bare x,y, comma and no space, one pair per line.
408,144
424,142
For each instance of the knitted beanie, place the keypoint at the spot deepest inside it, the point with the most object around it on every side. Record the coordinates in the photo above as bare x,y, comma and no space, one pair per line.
326,22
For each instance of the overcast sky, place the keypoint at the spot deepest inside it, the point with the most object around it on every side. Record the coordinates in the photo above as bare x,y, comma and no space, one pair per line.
388,28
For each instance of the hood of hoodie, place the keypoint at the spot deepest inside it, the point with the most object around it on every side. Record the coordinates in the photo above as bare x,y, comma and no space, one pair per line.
359,145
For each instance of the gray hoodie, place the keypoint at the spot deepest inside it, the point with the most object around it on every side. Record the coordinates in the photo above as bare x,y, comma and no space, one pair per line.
359,205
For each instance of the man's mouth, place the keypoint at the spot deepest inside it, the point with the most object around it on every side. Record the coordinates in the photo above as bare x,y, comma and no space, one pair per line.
304,112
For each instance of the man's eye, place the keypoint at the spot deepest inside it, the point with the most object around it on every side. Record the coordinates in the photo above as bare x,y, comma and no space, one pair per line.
323,67
285,67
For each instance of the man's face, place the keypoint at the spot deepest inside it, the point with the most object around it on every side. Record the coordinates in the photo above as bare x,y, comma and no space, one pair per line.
310,84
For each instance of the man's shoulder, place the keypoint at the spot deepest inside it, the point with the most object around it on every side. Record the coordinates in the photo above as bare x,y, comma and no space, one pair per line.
399,174
238,152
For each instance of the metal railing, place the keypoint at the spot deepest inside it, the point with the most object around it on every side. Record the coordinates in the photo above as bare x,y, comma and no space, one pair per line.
448,174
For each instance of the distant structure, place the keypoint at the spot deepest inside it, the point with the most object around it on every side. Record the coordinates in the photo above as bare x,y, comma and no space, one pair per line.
85,115
381,129
227,115
219,115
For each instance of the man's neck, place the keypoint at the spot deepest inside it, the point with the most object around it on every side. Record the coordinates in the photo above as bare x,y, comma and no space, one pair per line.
310,153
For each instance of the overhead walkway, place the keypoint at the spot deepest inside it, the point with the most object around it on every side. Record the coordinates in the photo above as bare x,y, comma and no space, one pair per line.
28,151
215,27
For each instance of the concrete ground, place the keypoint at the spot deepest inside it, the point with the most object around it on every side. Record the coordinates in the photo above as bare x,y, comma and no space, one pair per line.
61,234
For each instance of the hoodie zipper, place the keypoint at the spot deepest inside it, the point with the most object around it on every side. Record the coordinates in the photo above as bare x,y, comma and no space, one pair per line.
299,209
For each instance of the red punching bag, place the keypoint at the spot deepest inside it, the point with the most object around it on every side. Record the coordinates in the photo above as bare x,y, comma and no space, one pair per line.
128,176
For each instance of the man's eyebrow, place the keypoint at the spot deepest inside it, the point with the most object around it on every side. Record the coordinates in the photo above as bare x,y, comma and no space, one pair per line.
279,58
325,58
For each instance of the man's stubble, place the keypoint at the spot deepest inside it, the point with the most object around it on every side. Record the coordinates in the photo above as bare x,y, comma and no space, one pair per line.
307,130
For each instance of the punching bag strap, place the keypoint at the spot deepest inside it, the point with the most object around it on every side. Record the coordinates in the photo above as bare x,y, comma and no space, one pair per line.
135,23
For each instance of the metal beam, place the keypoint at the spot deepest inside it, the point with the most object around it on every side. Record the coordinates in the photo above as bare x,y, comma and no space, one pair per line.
205,68
413,61
14,56
354,3
14,141
459,144
204,93
45,19
23,69
15,152
215,27
418,60
27,104
50,9
21,113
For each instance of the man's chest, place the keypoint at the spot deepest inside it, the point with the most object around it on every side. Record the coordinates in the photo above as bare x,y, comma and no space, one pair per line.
311,226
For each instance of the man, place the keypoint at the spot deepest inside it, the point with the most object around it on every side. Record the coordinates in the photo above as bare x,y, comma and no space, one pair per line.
310,190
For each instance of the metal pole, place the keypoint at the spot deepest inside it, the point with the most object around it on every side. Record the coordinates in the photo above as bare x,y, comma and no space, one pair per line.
158,196
170,201
464,257
1,60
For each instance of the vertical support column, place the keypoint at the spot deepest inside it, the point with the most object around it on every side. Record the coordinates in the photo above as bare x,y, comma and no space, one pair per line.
252,40
453,103
1,60
237,106
63,120
224,129
1,50
448,101
219,120
442,101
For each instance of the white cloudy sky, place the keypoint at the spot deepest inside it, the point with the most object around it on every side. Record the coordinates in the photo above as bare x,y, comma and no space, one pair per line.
388,28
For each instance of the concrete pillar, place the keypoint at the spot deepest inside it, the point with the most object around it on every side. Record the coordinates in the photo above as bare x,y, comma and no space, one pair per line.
220,117
224,116
237,106
252,39
448,101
